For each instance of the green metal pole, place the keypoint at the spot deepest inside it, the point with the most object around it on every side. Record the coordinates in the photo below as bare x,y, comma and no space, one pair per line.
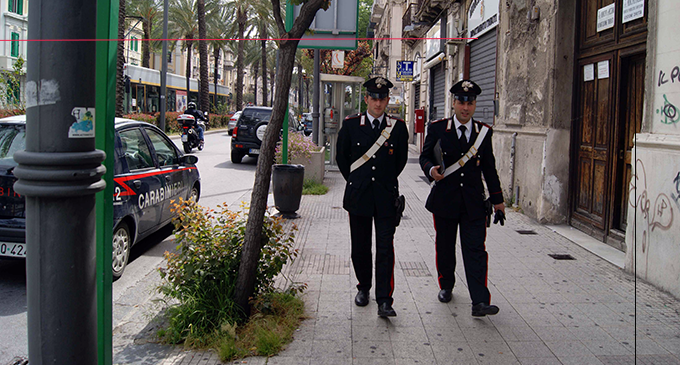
284,142
107,28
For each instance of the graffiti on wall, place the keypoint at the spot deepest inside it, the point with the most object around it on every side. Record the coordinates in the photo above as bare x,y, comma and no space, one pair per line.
674,76
669,113
656,216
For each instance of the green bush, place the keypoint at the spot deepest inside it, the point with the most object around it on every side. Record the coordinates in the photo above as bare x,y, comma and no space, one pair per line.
201,275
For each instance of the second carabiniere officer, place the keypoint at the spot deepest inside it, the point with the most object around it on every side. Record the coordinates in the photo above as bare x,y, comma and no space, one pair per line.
456,152
372,150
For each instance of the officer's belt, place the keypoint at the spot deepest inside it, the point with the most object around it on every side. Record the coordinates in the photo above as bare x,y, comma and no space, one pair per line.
384,136
470,153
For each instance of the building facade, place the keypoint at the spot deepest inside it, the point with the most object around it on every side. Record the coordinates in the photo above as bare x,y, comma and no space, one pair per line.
582,96
14,18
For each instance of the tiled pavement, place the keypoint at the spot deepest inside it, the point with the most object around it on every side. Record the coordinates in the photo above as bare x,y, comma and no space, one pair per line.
582,311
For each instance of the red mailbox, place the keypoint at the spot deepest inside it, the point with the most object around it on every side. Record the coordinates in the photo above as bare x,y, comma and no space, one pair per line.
420,120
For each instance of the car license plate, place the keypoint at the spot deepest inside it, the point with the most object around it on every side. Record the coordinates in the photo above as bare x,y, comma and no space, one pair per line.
254,151
185,138
13,249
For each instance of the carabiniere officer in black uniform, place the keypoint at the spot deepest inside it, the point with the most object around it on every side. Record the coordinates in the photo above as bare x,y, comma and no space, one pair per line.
457,200
371,190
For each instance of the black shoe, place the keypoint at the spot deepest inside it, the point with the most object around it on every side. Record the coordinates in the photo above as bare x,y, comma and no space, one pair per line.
482,309
445,295
386,310
361,299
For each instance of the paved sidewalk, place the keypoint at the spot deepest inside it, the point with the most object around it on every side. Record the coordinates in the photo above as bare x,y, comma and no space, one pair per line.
580,311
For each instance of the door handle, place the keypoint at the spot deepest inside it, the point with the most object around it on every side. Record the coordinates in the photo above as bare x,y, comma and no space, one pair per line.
138,184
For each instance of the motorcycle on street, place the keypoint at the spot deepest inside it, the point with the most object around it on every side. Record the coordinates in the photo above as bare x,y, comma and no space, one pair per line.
190,139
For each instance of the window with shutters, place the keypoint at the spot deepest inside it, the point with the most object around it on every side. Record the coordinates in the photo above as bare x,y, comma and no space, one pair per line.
16,6
15,45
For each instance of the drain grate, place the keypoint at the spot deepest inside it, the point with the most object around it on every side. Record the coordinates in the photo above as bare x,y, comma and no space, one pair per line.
525,231
561,256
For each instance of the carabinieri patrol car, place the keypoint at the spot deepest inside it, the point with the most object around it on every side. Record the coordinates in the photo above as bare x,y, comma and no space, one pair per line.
149,173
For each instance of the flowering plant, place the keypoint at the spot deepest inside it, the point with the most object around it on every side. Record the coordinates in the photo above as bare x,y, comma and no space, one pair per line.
300,147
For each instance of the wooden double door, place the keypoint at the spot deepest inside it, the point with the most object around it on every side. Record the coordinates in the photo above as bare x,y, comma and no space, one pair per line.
608,116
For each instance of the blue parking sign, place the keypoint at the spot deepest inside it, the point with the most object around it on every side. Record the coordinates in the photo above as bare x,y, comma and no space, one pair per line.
404,70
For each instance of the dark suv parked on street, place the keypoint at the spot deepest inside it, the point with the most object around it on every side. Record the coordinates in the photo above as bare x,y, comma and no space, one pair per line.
246,138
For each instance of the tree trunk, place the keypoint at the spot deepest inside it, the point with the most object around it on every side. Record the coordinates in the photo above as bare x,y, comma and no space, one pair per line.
256,72
241,19
146,54
216,55
253,236
299,88
272,75
263,36
120,61
204,90
258,204
189,43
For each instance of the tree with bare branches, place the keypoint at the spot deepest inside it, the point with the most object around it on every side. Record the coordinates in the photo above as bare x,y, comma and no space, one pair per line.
252,243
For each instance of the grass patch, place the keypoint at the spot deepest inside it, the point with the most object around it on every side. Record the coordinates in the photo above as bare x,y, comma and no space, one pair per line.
275,318
311,187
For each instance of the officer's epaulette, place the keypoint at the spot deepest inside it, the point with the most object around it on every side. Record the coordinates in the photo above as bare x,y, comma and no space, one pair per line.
397,119
353,116
439,120
484,124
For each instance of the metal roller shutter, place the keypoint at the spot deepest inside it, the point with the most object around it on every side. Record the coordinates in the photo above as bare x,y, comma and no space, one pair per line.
438,92
483,72
416,97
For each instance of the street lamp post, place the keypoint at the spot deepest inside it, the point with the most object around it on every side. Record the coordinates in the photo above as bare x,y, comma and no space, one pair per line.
59,173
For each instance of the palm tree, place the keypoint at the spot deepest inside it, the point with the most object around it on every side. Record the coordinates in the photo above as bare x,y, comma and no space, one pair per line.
149,10
251,54
265,26
218,41
203,57
240,9
182,24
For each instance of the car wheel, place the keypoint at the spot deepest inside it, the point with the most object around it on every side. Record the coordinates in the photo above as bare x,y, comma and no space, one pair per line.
194,194
236,157
122,241
187,147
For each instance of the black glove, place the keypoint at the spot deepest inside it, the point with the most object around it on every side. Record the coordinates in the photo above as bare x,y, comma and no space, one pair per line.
499,217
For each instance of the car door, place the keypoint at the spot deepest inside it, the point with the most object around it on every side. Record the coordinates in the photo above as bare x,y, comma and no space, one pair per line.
175,177
137,189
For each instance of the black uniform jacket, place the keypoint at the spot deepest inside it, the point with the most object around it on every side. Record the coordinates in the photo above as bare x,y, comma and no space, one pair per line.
445,197
373,187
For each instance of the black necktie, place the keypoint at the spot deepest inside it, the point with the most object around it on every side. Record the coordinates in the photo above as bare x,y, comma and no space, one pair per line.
463,140
376,125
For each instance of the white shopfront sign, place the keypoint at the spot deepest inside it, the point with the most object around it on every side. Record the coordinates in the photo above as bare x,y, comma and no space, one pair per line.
482,17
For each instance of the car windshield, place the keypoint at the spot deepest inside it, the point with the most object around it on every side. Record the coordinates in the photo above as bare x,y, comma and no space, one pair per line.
12,139
255,116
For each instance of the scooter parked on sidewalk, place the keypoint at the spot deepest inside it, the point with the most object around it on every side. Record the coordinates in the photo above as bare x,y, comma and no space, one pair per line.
190,138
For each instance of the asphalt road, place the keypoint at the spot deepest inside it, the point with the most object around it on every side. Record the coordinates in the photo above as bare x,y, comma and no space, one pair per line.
221,182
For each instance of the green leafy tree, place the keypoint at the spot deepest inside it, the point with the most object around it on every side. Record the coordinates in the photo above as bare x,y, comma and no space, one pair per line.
287,47
10,82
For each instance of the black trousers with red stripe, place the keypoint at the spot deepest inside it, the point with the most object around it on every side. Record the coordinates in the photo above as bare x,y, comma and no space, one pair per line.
362,257
475,258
